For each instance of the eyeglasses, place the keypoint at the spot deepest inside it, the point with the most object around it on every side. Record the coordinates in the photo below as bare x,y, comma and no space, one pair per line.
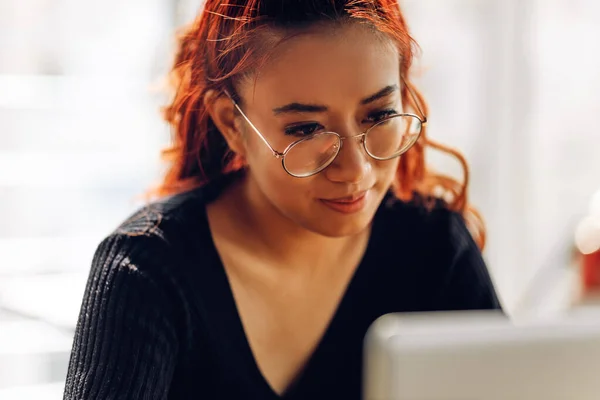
386,139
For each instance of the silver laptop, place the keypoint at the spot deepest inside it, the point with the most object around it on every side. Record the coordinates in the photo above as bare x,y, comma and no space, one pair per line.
482,356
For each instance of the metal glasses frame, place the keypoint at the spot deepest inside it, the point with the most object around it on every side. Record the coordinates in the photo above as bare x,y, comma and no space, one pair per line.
362,136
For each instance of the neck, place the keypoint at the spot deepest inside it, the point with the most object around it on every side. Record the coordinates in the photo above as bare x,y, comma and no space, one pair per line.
279,239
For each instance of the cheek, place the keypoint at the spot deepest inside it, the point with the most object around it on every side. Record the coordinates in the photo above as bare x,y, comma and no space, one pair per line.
267,170
291,196
258,155
386,170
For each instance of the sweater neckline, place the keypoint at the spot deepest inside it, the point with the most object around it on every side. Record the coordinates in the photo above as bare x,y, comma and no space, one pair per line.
230,319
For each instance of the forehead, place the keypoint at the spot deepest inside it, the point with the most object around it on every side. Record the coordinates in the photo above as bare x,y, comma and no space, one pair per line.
332,67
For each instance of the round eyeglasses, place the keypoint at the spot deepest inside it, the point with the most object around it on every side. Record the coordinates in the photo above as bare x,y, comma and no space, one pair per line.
386,139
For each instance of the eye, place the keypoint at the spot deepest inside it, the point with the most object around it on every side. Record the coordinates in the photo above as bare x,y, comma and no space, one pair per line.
303,129
377,116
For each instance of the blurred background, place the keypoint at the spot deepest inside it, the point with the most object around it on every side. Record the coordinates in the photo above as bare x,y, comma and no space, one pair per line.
514,84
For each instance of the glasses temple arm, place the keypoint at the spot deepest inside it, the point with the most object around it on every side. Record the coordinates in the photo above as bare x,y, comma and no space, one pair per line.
254,128
415,101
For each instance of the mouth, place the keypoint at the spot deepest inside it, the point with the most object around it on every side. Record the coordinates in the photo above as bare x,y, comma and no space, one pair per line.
348,204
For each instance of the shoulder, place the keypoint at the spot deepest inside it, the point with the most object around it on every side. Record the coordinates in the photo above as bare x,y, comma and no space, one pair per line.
143,258
165,217
437,241
152,242
424,219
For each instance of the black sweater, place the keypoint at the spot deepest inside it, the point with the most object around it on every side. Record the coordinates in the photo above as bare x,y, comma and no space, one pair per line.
158,319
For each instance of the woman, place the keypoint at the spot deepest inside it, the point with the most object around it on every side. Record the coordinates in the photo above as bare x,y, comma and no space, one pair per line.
297,209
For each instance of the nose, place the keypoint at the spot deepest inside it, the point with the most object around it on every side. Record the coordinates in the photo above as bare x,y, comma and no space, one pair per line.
352,163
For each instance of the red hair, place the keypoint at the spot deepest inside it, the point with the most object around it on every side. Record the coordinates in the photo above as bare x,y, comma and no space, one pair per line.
221,46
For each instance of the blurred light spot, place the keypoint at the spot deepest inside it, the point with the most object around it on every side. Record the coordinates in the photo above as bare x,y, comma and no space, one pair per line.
587,235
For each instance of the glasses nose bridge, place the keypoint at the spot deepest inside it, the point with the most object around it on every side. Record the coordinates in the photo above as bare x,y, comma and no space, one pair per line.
359,136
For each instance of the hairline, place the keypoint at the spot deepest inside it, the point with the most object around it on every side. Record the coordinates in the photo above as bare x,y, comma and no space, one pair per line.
276,36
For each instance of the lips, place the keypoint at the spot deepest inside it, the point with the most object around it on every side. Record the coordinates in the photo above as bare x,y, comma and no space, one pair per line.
348,204
348,199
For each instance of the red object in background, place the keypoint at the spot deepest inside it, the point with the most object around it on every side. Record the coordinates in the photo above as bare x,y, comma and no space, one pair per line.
591,273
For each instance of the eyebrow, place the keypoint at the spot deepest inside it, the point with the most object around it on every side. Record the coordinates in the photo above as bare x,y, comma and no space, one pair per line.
299,108
386,91
296,108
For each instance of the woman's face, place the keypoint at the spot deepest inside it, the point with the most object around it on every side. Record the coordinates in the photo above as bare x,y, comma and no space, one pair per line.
334,80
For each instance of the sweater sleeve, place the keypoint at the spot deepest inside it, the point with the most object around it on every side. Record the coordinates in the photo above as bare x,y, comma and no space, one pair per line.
125,344
468,284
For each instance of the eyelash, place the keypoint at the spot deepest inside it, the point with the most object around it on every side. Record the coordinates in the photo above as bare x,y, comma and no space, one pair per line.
383,114
303,129
311,128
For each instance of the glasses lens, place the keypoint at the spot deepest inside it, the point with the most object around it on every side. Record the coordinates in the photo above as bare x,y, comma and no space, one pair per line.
312,154
392,136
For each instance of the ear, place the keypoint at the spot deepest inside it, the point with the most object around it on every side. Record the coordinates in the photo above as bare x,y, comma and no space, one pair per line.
222,112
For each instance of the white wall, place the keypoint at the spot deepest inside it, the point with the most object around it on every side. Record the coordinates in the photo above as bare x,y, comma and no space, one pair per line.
514,84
